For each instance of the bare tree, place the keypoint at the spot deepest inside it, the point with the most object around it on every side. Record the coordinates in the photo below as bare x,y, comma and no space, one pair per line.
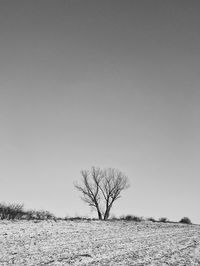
101,188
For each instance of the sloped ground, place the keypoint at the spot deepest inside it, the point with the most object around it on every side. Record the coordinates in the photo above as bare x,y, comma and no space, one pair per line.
98,243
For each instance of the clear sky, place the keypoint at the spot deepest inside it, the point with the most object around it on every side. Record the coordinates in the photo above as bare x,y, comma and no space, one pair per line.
101,83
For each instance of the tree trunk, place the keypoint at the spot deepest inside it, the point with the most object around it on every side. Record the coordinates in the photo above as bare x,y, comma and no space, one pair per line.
99,215
98,211
107,212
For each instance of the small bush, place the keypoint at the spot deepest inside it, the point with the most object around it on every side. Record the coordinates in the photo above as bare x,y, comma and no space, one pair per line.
132,218
41,215
151,219
77,218
113,218
163,220
11,211
185,220
29,215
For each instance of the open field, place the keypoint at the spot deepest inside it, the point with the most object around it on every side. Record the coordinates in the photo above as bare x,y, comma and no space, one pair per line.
98,243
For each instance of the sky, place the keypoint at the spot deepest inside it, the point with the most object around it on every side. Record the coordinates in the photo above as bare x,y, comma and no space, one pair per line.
101,83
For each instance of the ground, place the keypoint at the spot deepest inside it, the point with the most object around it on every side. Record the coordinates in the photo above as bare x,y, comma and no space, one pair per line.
98,243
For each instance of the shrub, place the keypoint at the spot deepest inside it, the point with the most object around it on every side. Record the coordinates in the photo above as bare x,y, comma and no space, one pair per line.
41,215
11,211
3,211
132,218
15,211
113,218
29,215
163,220
77,218
185,220
151,219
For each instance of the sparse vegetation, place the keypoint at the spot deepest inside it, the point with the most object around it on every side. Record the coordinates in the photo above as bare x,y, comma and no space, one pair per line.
13,211
163,220
39,215
132,218
78,218
151,219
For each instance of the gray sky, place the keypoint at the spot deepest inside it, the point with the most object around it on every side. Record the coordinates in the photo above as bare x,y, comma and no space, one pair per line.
103,83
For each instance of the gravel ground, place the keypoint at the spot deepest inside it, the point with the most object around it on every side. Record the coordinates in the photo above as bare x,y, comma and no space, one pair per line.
98,243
